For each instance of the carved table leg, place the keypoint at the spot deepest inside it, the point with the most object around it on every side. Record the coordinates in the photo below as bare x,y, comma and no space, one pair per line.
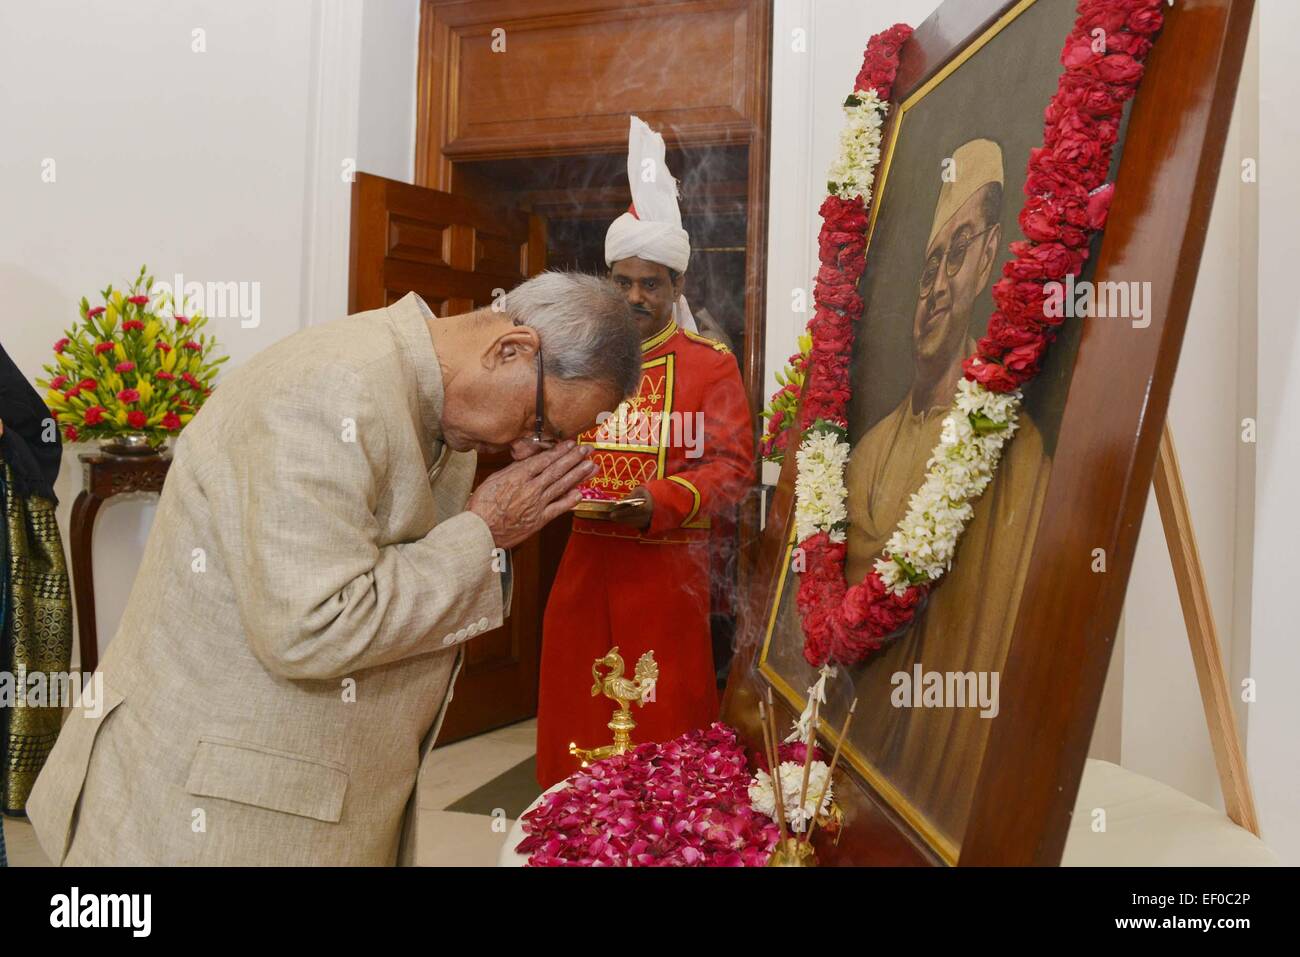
81,528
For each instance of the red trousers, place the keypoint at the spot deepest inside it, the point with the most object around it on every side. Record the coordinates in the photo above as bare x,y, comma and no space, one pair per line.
640,596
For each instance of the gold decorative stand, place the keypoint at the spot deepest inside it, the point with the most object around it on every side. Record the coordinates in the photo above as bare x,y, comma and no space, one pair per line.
623,692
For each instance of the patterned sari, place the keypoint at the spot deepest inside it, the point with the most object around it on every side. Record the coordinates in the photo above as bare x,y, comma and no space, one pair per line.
36,614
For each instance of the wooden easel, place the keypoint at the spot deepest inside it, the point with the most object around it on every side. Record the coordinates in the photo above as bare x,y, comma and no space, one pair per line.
1175,516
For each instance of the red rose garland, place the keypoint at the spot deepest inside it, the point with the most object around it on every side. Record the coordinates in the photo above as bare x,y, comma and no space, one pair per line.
1066,206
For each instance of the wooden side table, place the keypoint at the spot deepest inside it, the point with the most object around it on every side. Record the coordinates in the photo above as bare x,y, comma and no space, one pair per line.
103,475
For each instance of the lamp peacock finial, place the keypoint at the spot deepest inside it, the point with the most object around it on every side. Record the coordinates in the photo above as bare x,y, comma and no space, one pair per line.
622,691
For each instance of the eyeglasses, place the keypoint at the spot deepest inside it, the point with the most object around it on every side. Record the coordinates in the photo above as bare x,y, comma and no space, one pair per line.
538,430
952,259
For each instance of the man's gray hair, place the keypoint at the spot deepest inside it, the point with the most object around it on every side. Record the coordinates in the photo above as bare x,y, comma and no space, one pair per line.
585,325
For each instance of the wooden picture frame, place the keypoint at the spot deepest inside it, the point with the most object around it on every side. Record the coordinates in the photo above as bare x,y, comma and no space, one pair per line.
1102,468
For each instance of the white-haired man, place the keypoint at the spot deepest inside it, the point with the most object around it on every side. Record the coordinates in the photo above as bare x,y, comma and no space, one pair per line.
317,560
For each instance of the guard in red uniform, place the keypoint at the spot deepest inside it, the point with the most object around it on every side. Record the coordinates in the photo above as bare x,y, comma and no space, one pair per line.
680,452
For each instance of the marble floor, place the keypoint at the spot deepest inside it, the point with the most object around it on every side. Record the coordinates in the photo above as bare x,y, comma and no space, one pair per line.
469,794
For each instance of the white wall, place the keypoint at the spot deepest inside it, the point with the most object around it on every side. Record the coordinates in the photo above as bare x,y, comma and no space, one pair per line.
207,164
1151,717
1275,650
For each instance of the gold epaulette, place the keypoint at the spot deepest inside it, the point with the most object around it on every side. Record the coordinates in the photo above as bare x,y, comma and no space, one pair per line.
720,346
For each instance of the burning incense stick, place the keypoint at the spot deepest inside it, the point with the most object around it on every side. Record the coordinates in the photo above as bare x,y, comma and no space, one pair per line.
777,785
835,759
807,758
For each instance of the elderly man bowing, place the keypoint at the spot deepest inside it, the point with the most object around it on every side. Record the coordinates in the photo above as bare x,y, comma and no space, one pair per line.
289,646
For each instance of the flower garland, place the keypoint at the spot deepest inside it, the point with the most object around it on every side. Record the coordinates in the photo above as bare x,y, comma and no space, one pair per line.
1067,204
683,802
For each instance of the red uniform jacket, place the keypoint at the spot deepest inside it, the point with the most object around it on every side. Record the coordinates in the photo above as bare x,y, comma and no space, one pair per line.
687,436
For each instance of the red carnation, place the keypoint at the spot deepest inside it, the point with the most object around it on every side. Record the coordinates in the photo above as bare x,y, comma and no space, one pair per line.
1099,205
165,376
163,347
124,367
843,215
1120,68
72,393
192,346
70,433
181,320
192,382
128,396
95,414
102,347
61,345
1148,20
132,325
138,300
171,421
88,385
1004,335
136,419
988,374
1022,361
97,311
58,381
1043,261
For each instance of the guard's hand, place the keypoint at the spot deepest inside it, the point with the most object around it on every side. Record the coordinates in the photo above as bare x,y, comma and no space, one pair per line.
638,516
518,500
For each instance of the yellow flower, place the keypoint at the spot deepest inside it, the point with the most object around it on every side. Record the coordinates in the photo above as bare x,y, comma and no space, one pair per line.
55,397
119,352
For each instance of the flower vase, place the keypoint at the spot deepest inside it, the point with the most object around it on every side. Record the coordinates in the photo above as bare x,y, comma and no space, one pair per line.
129,443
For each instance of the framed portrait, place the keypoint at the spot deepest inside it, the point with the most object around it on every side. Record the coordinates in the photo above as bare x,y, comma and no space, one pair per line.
1017,636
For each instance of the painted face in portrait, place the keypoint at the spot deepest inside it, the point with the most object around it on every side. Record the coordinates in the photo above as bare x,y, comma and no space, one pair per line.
962,250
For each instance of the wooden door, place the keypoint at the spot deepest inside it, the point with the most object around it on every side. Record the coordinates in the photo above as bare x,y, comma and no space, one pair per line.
458,253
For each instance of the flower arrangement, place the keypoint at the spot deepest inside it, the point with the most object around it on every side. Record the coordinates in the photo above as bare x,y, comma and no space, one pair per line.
799,794
679,803
130,366
796,798
784,404
1067,204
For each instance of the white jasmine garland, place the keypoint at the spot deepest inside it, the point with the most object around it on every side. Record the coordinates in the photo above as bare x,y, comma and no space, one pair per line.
822,498
959,470
853,170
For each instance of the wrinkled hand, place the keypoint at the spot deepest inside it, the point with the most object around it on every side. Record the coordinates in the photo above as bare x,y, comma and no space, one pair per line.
519,499
638,516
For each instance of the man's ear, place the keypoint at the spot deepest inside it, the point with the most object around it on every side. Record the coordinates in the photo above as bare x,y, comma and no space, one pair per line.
678,285
992,243
515,342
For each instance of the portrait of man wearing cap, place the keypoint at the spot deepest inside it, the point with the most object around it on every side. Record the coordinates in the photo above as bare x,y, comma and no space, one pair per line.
932,755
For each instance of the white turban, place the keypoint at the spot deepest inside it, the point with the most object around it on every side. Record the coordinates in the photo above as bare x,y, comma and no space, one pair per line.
652,229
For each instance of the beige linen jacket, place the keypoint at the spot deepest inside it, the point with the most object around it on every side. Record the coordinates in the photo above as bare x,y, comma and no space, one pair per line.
289,646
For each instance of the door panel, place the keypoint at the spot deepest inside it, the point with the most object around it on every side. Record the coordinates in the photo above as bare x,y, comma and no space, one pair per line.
456,253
